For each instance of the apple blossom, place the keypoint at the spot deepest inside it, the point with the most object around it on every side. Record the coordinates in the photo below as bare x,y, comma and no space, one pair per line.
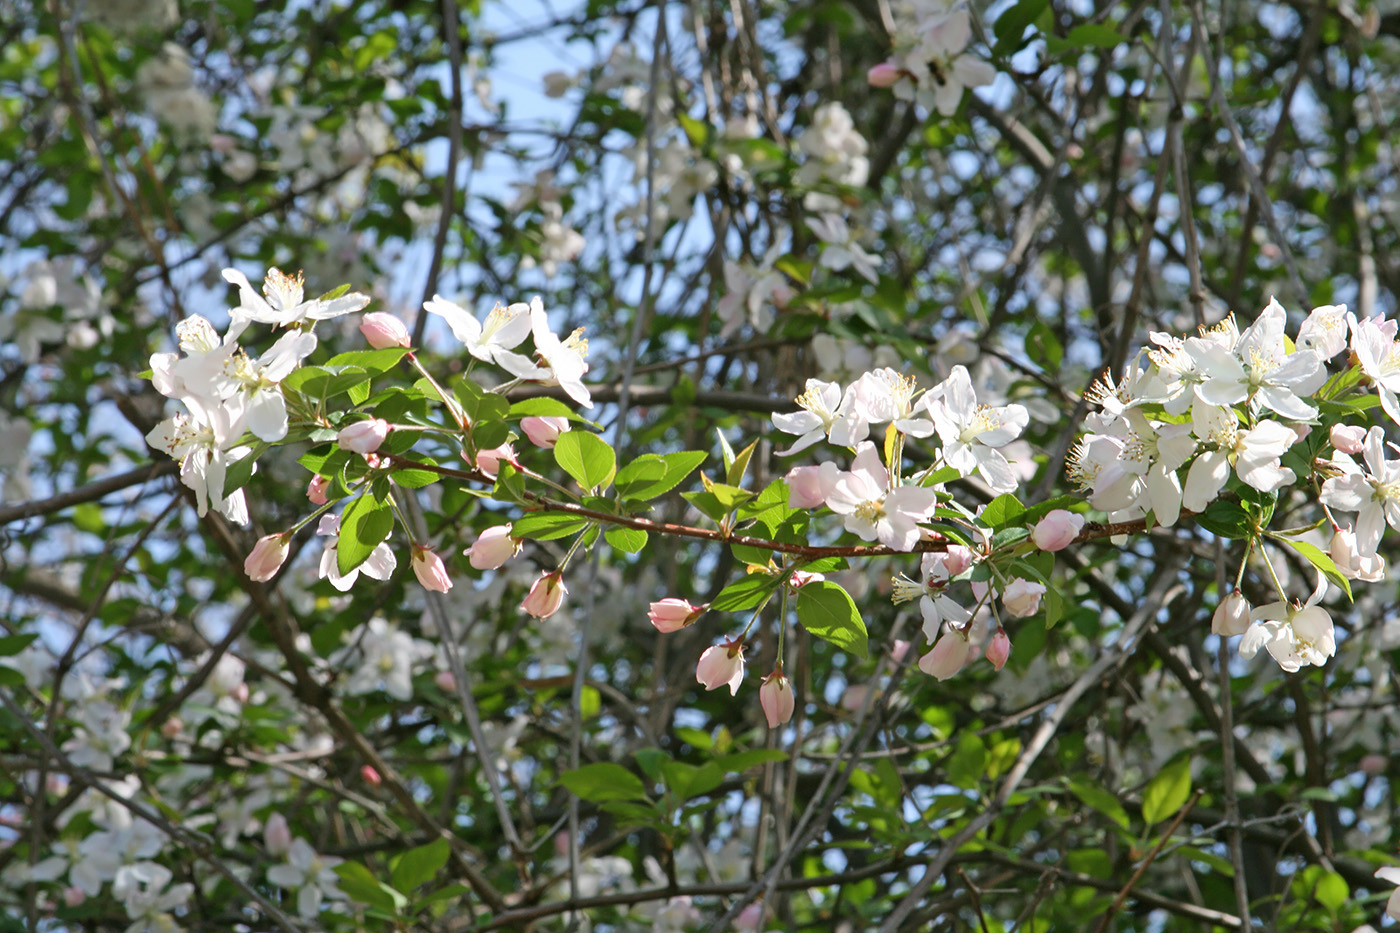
1373,495
383,331
809,486
1351,562
824,414
1231,617
1294,634
884,74
1392,905
947,656
1057,530
1258,370
1021,597
776,698
380,564
505,328
546,595
874,511
430,570
493,547
971,433
277,837
721,666
267,557
544,431
672,614
489,461
1348,438
363,437
999,649
284,305
317,488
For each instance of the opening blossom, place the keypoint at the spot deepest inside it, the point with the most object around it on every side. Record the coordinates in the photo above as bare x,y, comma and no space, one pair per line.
874,511
267,557
430,570
546,595
672,614
776,698
1374,494
382,331
947,656
721,666
493,547
1294,634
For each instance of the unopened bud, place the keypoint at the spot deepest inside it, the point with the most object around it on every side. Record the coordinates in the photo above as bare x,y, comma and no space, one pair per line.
383,331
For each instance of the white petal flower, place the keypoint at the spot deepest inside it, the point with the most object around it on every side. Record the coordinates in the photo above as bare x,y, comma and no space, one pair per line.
285,304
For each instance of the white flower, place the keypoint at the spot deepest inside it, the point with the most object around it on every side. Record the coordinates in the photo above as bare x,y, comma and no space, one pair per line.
380,564
1391,874
971,433
841,250
1254,454
1373,495
285,305
205,443
873,510
562,360
1294,635
1258,369
505,329
883,395
821,409
387,656
313,876
1378,352
1324,331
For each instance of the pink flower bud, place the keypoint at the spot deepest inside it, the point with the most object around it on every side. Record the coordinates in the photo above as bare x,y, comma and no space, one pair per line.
317,488
429,569
276,835
493,547
73,896
544,430
239,693
1348,438
947,657
363,437
1351,562
445,681
775,696
999,649
808,486
800,579
899,650
384,330
489,461
721,666
1021,598
1057,530
1231,616
267,557
546,595
370,776
172,727
672,615
951,562
885,74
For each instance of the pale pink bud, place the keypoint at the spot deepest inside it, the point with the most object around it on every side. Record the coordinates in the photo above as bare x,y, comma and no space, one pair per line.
776,698
546,595
239,693
999,649
721,666
1301,432
1057,530
1348,438
808,486
672,614
1373,764
1231,616
317,488
493,547
1021,598
172,727
544,430
899,650
885,74
957,558
363,437
445,681
277,836
370,776
947,656
384,330
489,461
73,896
430,570
800,579
267,557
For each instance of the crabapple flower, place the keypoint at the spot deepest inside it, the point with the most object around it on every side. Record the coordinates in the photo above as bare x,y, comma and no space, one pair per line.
999,649
874,511
493,547
822,415
380,564
1378,352
1258,369
1231,616
316,489
884,395
1254,454
947,656
775,696
971,433
841,250
206,442
809,486
721,666
1294,634
1351,562
277,836
560,361
267,557
1373,495
546,595
363,437
1057,530
1348,438
489,461
672,614
383,331
1324,331
884,74
1391,874
505,329
1021,598
386,657
284,305
312,876
430,570
544,431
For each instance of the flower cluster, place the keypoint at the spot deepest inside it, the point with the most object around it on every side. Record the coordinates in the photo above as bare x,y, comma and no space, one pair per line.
929,64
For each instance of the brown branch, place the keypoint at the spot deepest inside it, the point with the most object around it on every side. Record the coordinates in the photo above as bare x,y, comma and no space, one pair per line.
89,493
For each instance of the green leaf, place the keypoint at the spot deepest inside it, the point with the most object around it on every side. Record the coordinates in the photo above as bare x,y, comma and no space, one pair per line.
411,478
545,408
11,645
743,761
481,406
357,881
546,526
420,865
1331,890
678,466
1043,347
1167,792
1002,511
365,523
828,612
627,540
371,361
240,471
1226,519
641,474
603,781
1094,35
734,476
747,592
1092,795
968,764
1010,26
1319,559
587,458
